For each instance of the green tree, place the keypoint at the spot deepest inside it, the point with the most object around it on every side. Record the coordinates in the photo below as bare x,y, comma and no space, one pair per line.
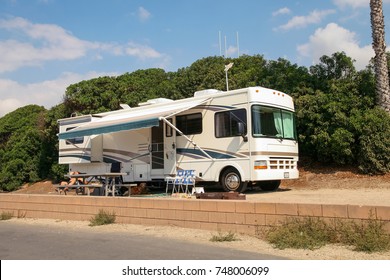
21,146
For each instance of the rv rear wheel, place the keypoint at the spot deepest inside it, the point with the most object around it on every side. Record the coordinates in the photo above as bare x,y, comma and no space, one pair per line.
231,181
269,185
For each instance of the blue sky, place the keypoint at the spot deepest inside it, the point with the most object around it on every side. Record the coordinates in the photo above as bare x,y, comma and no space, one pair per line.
46,45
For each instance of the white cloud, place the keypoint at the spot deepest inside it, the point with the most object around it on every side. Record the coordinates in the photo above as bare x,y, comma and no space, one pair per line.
48,42
333,38
9,105
355,4
282,11
232,51
352,3
143,14
44,42
303,21
46,93
141,51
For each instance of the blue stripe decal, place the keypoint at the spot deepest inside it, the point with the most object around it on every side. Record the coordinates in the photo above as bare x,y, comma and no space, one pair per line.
109,128
88,158
199,153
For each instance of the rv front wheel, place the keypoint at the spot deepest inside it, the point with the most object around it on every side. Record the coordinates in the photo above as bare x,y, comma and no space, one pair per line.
231,181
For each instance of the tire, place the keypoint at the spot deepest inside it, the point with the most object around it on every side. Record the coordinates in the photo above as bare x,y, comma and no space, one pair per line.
269,185
231,181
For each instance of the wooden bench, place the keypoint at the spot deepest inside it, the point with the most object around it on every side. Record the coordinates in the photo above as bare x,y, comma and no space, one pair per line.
128,186
79,188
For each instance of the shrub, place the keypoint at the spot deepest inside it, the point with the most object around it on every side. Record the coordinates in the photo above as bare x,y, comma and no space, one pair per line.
365,236
309,233
373,128
312,233
102,218
6,216
227,237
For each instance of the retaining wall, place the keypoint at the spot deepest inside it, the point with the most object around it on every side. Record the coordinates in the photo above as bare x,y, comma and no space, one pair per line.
225,215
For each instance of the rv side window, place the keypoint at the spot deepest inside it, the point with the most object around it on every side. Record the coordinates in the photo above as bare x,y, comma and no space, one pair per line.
76,140
226,123
189,124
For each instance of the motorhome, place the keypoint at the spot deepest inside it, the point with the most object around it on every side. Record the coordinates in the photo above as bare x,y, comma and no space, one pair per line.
237,138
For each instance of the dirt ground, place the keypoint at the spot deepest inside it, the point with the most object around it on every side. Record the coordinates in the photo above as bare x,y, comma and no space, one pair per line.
315,185
320,185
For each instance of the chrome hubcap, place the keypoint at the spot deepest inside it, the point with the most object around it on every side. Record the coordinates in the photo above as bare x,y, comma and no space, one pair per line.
232,181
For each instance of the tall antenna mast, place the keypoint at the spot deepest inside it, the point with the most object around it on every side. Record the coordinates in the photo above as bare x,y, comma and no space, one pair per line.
225,47
238,46
220,44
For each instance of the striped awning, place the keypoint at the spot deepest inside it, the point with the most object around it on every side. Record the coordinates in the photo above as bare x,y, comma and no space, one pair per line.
130,119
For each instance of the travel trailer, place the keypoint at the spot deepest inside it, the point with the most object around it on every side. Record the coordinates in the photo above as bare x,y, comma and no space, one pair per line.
237,138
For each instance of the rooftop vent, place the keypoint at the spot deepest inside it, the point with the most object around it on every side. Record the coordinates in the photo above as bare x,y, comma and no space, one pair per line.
155,101
206,92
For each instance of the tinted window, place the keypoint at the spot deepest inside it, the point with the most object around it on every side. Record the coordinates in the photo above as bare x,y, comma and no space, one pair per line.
189,124
76,140
226,123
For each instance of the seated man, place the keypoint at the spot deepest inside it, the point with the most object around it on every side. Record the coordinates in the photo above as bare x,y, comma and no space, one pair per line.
71,182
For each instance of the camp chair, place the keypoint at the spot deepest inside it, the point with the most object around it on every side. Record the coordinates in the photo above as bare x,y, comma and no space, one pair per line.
175,182
188,181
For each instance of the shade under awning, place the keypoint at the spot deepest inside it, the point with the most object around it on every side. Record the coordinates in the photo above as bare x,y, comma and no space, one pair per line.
130,119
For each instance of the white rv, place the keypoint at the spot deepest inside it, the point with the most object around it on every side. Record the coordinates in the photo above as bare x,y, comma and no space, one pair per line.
235,138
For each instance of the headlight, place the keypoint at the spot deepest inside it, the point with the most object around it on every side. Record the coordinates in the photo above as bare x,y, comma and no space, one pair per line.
260,164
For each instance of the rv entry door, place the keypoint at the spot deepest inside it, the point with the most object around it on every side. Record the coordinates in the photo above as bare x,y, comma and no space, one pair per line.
169,149
157,150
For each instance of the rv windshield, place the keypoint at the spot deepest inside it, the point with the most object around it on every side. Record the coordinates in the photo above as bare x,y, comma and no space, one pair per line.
273,122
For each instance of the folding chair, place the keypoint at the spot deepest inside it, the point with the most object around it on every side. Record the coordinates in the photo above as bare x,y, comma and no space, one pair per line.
188,181
175,182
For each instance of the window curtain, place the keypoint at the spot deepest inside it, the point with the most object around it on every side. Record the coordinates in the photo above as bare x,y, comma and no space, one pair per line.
278,123
288,125
256,121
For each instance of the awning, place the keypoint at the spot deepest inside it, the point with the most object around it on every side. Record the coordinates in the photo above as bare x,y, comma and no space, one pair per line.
130,119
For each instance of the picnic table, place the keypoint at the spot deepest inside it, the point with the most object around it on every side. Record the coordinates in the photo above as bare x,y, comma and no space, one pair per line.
106,182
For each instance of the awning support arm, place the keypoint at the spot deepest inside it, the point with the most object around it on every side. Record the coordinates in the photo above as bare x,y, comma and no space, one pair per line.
188,139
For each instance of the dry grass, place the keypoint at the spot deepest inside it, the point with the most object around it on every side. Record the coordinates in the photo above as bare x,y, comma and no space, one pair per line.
313,233
102,218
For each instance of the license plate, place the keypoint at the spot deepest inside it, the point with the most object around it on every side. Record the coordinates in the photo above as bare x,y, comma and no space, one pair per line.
286,175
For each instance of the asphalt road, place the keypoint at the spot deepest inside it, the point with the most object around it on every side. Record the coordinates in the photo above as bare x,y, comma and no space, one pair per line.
38,242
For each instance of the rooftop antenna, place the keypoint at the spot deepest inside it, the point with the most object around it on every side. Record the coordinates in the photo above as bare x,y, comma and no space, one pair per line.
227,67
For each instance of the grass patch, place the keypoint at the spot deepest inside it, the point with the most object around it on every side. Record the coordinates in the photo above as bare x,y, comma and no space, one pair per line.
312,233
224,237
6,216
102,218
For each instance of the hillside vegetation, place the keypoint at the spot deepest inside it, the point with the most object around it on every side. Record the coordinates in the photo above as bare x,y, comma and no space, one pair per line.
338,122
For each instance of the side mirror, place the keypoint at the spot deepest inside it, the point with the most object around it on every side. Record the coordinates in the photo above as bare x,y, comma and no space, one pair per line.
241,131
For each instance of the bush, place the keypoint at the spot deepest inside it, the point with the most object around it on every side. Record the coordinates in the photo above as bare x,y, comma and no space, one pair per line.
102,218
227,237
312,233
365,236
373,130
6,216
